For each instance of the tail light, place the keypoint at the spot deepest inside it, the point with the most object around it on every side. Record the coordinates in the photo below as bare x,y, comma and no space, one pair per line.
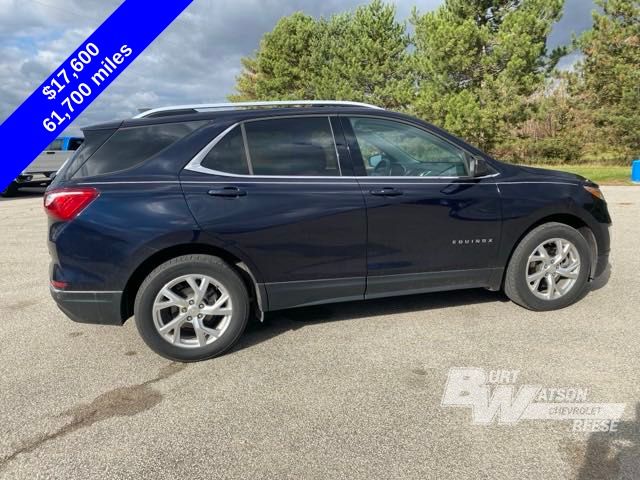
59,285
66,203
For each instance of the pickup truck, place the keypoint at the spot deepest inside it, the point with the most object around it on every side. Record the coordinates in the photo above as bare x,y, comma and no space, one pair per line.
41,170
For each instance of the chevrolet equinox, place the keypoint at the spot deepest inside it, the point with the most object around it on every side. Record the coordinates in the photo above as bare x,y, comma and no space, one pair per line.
193,219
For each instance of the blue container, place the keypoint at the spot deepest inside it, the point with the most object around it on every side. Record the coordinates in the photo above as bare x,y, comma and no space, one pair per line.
635,171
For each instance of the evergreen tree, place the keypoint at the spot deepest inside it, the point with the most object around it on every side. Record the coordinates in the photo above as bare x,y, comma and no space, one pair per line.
609,74
479,68
281,69
363,57
478,61
360,56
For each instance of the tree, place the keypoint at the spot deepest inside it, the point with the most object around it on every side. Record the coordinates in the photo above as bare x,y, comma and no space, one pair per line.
281,69
246,81
363,57
478,62
608,77
555,131
479,68
359,56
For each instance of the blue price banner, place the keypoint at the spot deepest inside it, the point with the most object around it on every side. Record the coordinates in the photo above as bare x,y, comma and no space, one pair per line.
80,79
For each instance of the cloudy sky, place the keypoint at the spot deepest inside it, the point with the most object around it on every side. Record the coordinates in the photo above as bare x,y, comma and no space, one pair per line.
194,61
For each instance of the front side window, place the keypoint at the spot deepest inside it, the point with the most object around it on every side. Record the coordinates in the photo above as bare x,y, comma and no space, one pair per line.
301,146
397,149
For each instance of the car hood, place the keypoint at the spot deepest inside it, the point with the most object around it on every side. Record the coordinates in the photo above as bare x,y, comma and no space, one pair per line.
553,174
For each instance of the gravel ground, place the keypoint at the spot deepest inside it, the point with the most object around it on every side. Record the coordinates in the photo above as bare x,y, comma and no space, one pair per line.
342,391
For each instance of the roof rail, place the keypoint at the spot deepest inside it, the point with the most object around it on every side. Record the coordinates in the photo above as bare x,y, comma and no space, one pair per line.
178,109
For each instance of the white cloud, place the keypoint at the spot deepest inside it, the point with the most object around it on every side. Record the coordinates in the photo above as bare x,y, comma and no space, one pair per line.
194,61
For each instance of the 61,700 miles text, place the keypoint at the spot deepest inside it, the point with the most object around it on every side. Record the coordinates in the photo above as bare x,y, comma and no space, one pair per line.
82,91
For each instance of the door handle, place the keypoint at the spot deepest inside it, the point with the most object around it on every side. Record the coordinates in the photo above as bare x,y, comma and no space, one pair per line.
51,153
227,192
386,192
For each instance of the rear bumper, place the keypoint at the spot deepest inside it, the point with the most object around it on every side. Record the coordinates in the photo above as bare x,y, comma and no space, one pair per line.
89,307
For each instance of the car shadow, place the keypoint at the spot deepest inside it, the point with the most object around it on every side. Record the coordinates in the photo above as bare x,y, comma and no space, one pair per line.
613,454
602,280
279,322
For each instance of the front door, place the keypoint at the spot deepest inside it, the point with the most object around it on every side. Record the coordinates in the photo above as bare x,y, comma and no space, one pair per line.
431,225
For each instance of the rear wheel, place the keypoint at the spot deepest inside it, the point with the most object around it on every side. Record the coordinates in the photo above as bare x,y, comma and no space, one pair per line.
549,268
191,308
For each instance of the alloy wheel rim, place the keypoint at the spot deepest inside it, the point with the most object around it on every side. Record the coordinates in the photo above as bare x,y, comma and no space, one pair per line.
192,311
553,269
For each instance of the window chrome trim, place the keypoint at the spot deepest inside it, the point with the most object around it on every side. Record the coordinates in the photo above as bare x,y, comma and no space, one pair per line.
194,164
427,177
350,182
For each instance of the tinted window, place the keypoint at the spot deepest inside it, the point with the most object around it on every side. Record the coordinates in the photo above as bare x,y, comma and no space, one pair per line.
228,154
131,146
398,149
300,146
55,145
93,140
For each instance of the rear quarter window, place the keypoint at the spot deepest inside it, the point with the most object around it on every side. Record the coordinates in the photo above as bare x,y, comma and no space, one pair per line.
131,146
93,140
228,155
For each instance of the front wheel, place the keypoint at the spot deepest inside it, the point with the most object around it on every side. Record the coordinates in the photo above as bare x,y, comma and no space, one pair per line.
191,308
549,268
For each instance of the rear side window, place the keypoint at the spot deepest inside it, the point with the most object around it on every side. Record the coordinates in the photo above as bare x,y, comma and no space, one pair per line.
131,146
301,146
228,154
93,141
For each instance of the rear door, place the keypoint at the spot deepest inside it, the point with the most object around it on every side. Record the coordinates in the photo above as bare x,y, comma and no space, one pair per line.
280,194
431,225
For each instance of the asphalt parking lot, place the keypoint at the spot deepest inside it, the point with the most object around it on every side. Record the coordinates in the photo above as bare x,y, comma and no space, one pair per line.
342,391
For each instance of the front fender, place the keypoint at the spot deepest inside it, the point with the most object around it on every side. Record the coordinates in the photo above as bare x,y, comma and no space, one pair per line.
528,205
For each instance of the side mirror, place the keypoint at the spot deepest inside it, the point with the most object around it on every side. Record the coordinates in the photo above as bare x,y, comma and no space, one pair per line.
374,160
478,167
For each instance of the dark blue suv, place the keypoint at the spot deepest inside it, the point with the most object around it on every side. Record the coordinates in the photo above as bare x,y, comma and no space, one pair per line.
195,218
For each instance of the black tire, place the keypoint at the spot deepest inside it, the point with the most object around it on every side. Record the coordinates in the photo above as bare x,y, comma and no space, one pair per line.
10,191
515,283
186,265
